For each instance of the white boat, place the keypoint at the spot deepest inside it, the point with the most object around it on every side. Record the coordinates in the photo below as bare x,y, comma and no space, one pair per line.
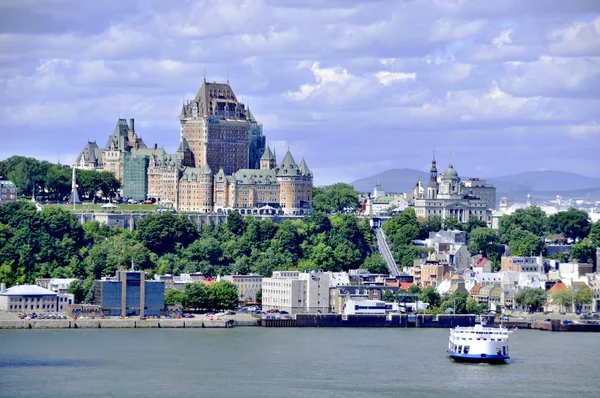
479,344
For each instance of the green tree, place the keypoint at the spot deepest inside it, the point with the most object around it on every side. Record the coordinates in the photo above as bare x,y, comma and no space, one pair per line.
235,223
563,298
162,232
473,307
573,224
431,296
77,290
595,234
335,198
259,297
484,241
375,264
389,296
532,220
525,243
582,295
583,252
174,297
222,295
474,223
414,289
532,298
429,224
451,224
196,296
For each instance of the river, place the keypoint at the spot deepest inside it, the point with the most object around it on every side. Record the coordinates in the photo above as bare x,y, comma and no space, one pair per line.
294,362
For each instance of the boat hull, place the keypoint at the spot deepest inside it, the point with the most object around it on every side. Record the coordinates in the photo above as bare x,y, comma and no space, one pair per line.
478,358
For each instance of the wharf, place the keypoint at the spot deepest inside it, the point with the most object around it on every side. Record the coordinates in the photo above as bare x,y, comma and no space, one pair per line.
114,323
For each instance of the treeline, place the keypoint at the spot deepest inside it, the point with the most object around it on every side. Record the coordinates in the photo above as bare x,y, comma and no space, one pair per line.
526,233
53,181
222,295
51,243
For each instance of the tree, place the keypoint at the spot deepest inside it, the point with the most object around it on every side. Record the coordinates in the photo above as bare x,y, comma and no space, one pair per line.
452,223
431,296
474,223
222,295
429,224
388,296
196,296
174,297
532,298
77,290
473,307
582,295
525,243
573,224
414,289
259,297
583,252
484,241
335,198
595,234
532,220
235,223
375,264
161,232
563,298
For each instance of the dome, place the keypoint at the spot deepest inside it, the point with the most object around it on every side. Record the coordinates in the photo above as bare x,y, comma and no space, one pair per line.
450,173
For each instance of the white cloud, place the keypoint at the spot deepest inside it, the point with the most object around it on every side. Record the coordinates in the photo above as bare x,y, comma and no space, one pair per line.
387,78
578,38
585,129
502,39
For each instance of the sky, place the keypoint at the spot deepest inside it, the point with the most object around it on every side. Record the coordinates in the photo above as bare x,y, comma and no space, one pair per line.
355,87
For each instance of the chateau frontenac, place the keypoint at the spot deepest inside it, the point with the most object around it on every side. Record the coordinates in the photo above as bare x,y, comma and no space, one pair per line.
222,162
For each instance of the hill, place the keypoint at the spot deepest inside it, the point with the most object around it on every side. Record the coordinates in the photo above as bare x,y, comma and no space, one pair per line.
403,180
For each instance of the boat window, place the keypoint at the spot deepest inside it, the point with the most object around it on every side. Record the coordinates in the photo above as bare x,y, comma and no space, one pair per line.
498,350
504,350
467,349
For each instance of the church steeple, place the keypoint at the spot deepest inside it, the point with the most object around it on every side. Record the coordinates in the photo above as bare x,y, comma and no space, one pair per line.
433,187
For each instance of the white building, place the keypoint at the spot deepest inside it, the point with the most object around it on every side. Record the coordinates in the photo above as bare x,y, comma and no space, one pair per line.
365,307
448,197
296,292
27,299
60,285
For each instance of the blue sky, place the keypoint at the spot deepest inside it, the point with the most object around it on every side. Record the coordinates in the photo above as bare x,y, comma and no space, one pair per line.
356,87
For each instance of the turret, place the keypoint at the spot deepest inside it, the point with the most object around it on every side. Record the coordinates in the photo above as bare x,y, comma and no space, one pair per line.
267,160
433,187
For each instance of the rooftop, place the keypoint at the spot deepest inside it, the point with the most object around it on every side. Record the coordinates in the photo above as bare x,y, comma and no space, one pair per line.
28,290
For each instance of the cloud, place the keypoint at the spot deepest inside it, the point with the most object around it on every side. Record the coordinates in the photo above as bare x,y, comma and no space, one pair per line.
331,77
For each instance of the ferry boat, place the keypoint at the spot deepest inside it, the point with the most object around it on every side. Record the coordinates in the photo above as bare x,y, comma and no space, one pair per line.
479,344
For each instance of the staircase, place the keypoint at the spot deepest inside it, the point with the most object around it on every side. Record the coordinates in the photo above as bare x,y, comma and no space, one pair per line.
386,253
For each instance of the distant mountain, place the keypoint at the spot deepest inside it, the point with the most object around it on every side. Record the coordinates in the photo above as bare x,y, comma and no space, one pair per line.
549,182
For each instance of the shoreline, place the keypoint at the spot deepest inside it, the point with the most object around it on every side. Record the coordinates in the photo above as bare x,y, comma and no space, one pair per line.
122,323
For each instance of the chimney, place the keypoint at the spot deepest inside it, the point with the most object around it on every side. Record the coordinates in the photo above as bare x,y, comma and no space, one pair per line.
2,287
131,125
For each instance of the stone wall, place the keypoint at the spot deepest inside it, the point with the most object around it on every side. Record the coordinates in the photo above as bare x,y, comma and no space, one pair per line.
114,323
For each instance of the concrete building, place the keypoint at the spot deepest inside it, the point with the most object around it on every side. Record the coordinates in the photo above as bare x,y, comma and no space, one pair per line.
248,286
339,295
480,189
27,299
429,272
8,191
130,294
448,197
522,264
296,292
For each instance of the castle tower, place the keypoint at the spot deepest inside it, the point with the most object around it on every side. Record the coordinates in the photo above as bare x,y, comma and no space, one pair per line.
295,186
433,186
267,160
185,154
220,131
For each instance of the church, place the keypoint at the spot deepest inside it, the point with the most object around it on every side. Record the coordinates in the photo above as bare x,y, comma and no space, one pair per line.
222,162
448,196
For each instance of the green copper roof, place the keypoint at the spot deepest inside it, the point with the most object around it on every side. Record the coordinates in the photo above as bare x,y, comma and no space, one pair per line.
252,176
183,146
267,154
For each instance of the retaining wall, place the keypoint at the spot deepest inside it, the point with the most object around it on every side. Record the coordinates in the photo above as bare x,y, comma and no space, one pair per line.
114,324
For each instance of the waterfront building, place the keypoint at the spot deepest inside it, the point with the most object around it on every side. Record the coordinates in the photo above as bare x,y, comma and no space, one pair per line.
248,286
296,292
57,285
130,294
339,295
8,191
447,196
27,299
366,307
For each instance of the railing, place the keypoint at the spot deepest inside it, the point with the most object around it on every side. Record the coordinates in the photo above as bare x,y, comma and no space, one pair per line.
386,253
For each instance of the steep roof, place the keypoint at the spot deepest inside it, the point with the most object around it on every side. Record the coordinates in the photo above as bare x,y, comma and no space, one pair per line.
475,290
558,287
481,262
90,152
288,166
183,146
253,176
304,168
215,94
28,290
193,173
267,154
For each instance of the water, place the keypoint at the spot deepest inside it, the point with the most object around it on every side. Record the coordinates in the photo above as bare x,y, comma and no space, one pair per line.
261,362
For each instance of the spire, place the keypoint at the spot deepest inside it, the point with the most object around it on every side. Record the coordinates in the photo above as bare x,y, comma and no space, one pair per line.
304,168
267,154
183,146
